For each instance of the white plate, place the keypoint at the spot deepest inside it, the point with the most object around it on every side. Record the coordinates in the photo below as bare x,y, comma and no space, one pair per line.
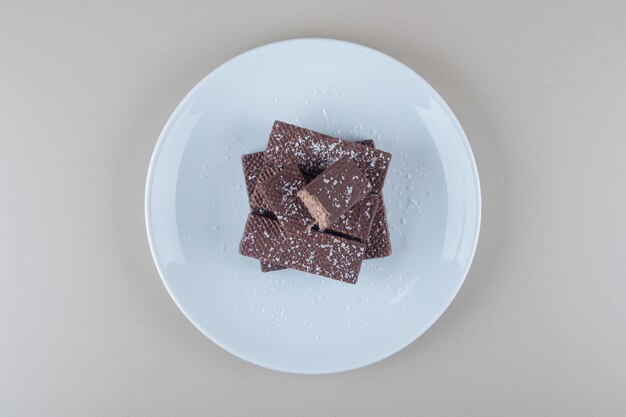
196,206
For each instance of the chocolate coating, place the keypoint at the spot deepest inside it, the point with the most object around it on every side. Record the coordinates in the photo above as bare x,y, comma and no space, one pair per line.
315,252
314,152
334,191
280,192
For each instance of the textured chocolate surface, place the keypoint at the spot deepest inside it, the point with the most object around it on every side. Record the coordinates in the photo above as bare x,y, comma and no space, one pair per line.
358,221
314,152
378,242
355,222
267,266
334,191
280,191
252,164
257,200
314,252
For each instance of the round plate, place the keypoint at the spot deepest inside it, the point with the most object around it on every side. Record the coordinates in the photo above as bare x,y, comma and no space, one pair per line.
196,206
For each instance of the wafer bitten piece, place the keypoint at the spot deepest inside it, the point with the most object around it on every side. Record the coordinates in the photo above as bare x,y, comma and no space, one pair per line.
334,191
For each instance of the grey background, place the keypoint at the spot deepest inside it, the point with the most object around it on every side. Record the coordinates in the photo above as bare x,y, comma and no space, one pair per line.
87,328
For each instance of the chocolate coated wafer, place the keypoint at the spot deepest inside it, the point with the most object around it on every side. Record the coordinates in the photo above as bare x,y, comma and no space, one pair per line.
315,252
329,195
314,152
281,193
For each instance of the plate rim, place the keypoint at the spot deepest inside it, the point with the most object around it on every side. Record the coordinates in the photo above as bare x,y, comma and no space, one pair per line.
174,115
